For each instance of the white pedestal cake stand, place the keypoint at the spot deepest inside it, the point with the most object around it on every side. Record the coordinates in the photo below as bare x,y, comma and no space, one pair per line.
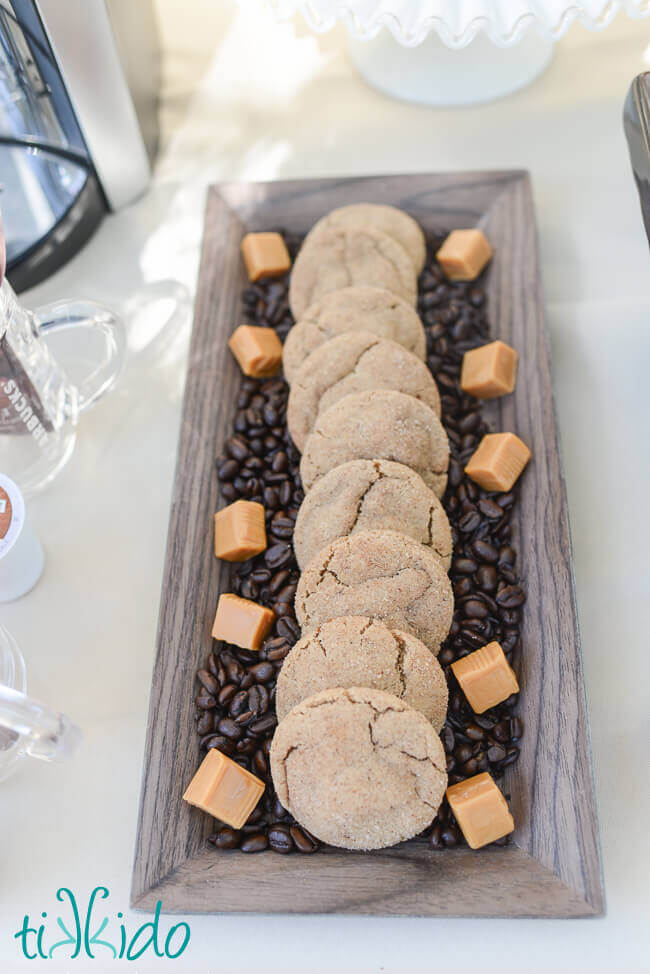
453,52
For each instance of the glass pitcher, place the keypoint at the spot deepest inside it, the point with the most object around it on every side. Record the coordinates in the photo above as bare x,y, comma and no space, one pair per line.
39,407
27,728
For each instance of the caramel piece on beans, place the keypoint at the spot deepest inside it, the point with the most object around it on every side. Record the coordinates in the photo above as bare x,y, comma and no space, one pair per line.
485,677
224,789
239,531
498,461
489,371
480,810
464,254
242,622
257,350
265,255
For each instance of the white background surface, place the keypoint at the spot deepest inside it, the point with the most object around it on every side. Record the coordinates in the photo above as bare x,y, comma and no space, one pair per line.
273,106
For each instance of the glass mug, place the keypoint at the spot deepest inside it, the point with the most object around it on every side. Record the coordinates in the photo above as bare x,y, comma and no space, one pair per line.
39,407
27,728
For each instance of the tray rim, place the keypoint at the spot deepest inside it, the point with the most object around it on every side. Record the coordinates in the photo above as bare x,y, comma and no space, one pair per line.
187,877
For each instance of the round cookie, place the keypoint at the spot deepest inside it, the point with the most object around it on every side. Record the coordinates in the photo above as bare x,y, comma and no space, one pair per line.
353,362
336,258
374,425
364,495
361,308
381,574
358,768
357,651
396,223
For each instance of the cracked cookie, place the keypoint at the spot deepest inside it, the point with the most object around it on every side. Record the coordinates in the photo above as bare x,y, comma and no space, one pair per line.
361,308
378,424
358,768
381,574
354,362
363,495
396,223
355,651
338,257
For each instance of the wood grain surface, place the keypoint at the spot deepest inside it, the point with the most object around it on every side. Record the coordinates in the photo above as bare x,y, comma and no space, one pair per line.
553,867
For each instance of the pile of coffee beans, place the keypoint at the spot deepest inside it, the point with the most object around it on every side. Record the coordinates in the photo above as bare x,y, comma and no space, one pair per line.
235,693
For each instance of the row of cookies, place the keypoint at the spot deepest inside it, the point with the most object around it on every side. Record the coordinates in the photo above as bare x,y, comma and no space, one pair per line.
361,696
348,650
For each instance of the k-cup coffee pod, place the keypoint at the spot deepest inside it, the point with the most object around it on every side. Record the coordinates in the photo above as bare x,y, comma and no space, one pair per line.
21,555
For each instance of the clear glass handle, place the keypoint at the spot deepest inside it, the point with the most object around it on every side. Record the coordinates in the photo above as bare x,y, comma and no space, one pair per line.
26,726
43,733
66,315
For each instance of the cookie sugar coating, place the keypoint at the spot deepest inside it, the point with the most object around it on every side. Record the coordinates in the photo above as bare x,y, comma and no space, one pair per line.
381,574
364,495
358,768
374,425
361,308
396,223
354,362
358,651
337,257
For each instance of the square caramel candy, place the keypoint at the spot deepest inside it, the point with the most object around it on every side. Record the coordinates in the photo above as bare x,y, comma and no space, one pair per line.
489,371
464,254
480,810
265,255
498,461
239,531
257,350
242,622
224,789
485,677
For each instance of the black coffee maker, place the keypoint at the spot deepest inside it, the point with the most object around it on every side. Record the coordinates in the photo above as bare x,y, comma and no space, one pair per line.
636,119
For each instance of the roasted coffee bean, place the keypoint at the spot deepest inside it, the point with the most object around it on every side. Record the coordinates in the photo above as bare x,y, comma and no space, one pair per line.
229,728
288,628
262,672
487,578
464,566
280,838
219,741
225,838
489,508
260,764
469,522
485,551
511,596
257,842
474,609
474,732
496,753
226,694
238,704
205,701
266,723
302,841
205,723
278,555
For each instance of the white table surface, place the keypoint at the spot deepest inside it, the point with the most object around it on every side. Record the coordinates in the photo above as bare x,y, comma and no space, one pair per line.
273,106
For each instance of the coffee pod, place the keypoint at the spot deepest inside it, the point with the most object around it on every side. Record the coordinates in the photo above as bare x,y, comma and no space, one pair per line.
21,554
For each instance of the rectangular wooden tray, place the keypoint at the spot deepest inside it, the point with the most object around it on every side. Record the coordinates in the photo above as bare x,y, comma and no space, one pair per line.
553,867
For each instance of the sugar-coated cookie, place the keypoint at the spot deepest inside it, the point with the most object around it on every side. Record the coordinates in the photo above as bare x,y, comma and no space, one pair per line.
335,258
354,362
378,424
396,223
364,495
360,308
358,768
354,651
381,574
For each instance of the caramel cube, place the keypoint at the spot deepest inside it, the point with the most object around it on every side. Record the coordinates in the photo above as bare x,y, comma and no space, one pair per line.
464,254
242,622
480,809
265,255
239,531
485,677
224,789
257,350
489,371
498,461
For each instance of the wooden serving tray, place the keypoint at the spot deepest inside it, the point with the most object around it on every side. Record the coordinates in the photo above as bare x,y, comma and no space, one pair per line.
553,866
